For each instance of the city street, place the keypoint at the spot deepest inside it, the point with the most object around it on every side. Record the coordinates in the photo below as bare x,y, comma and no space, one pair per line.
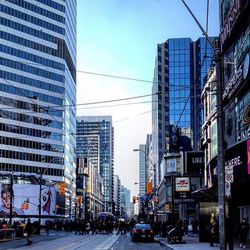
63,241
125,243
70,241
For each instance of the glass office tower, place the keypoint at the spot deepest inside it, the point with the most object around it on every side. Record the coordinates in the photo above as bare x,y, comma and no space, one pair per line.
38,89
180,68
95,140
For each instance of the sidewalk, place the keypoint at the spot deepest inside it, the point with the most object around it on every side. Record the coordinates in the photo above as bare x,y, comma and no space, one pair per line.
192,243
20,238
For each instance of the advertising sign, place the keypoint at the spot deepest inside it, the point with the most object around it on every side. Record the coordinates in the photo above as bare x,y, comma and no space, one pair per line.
171,165
231,19
182,184
26,200
194,162
248,156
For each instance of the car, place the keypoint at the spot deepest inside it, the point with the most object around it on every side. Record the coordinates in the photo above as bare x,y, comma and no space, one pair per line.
142,231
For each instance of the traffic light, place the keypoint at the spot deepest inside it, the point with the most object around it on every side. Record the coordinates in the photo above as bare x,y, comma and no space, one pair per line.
62,188
134,199
149,187
79,200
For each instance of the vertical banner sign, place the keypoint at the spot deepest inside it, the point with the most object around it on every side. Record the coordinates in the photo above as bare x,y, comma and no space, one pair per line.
248,156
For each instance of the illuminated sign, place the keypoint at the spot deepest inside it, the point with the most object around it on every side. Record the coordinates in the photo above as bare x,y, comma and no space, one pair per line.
26,200
182,184
233,84
230,20
194,162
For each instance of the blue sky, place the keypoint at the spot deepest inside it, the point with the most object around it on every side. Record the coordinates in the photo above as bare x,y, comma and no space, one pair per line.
118,37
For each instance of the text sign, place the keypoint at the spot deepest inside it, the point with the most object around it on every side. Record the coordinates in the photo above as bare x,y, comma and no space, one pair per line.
182,184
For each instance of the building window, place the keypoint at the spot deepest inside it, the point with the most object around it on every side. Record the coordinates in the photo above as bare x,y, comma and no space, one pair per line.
214,139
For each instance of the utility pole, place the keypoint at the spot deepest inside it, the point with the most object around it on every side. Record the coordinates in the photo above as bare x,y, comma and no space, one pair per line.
220,156
220,134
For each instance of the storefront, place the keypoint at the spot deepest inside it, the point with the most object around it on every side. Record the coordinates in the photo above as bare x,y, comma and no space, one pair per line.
237,160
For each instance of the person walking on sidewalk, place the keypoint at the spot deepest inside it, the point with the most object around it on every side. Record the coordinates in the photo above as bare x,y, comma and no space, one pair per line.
229,233
243,232
28,232
213,229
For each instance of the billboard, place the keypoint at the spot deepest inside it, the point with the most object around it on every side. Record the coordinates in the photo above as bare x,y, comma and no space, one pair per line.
171,165
182,184
194,162
26,200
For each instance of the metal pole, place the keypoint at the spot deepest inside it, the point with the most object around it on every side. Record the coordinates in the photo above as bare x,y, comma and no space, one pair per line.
70,203
172,182
40,204
198,23
220,140
220,135
11,198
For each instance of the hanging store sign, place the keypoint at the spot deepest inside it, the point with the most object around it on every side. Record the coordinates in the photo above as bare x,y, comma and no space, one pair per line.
244,133
245,69
233,84
231,19
182,184
194,162
248,156
171,165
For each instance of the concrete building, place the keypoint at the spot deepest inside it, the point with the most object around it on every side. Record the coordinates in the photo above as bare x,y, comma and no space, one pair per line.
94,197
180,69
95,140
142,170
38,91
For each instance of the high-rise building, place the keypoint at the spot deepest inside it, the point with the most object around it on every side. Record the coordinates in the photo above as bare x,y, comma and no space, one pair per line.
38,89
95,140
94,192
142,170
180,69
125,202
117,195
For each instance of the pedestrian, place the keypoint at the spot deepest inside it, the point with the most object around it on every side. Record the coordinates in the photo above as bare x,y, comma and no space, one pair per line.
87,227
195,227
179,230
213,229
229,233
243,232
28,232
47,226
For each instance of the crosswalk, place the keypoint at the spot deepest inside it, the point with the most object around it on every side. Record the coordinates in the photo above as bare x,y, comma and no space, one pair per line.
70,241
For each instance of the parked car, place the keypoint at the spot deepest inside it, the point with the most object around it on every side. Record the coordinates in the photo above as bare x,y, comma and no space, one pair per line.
142,231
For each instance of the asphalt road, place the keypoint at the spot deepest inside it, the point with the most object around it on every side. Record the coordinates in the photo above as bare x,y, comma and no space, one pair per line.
63,241
125,243
69,241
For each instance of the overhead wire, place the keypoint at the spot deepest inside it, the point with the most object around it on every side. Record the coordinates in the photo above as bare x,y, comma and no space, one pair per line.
204,58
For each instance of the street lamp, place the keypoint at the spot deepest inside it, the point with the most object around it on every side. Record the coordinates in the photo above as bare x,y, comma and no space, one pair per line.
149,160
